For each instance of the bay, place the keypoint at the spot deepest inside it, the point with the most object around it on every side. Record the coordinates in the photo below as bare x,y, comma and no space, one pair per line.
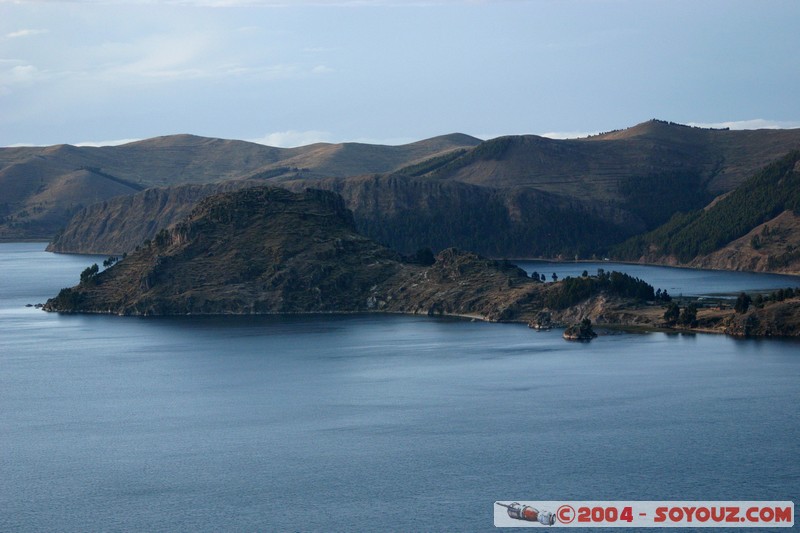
677,281
366,422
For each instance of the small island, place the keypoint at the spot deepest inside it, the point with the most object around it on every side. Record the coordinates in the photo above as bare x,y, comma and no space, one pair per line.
580,332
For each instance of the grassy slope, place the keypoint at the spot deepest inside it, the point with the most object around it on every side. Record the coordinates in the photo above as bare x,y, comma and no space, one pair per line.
759,200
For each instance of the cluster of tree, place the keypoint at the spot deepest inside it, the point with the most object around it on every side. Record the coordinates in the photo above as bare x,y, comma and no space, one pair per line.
662,296
110,261
686,235
162,237
686,317
574,290
743,302
89,273
759,300
541,277
68,299
423,256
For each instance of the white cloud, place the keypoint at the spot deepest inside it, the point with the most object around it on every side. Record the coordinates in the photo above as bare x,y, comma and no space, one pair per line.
24,33
116,142
567,134
321,69
292,138
19,73
752,124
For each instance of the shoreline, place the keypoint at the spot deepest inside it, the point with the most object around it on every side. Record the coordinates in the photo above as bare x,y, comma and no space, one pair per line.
639,263
622,326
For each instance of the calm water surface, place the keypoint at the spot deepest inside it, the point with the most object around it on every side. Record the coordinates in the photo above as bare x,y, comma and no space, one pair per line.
385,423
677,281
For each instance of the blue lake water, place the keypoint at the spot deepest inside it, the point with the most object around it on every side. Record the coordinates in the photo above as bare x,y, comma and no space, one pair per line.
677,281
367,422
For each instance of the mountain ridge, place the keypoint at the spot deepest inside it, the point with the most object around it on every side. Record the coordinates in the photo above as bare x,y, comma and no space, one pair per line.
164,161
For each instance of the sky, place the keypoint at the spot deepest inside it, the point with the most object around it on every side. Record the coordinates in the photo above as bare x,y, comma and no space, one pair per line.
288,73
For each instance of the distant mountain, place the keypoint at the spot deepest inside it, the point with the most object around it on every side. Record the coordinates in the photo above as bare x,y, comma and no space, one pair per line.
40,191
754,227
519,196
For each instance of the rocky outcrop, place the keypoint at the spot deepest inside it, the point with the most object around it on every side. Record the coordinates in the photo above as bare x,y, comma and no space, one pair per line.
776,319
581,331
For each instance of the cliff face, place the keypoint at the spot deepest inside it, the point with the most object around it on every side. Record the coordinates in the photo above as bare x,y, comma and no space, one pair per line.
267,250
402,212
117,225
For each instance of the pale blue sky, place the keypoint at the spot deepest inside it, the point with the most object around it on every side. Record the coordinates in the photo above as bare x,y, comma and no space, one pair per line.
293,72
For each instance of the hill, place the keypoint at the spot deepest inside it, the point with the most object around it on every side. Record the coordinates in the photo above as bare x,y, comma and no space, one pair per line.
40,193
754,227
267,250
521,196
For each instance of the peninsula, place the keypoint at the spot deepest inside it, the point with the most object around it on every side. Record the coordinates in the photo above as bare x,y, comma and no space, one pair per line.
266,250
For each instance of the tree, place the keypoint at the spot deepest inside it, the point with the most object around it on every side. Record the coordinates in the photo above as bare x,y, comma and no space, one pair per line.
424,257
743,302
89,273
544,278
585,274
555,277
672,313
688,316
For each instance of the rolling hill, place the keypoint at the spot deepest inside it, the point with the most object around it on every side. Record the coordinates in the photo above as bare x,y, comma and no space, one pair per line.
40,192
517,196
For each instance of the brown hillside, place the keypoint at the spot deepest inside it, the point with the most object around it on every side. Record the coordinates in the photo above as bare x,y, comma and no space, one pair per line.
773,246
174,160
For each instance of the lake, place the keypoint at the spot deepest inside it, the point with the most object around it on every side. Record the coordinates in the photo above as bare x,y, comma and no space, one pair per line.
677,281
368,422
